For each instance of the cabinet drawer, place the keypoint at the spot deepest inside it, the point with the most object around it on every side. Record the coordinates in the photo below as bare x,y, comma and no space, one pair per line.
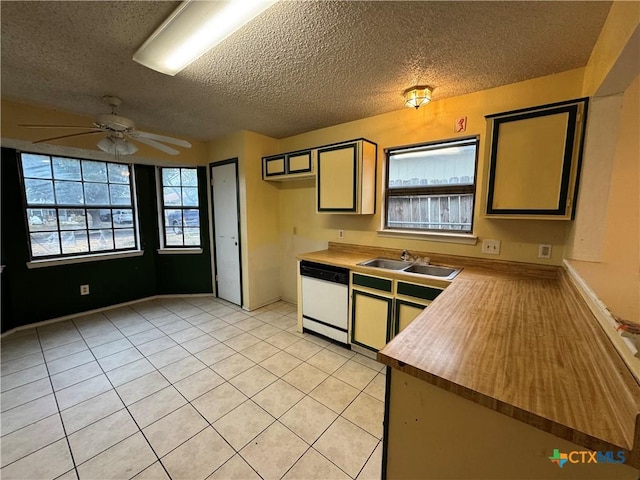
418,291
382,284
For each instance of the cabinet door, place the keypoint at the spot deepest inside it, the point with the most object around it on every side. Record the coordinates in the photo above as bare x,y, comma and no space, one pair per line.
337,178
273,166
406,312
535,161
370,319
299,162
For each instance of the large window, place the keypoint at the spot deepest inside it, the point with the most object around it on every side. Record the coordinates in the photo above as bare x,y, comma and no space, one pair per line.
77,207
180,207
432,186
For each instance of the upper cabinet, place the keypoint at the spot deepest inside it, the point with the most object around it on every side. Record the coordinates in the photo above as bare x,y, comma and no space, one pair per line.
536,154
289,166
346,178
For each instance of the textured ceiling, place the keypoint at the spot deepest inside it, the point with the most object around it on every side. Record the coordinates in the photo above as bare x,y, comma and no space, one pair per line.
300,66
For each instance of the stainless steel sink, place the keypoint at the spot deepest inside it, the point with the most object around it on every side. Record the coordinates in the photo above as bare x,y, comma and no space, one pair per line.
436,271
386,263
446,273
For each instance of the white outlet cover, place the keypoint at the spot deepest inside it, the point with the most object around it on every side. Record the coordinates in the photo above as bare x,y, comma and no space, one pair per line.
544,250
491,247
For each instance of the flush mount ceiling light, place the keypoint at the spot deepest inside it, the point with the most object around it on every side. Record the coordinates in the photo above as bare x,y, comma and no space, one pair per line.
416,96
194,28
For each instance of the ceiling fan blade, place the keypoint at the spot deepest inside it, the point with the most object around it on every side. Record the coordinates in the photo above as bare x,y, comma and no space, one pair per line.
58,126
68,136
161,138
158,145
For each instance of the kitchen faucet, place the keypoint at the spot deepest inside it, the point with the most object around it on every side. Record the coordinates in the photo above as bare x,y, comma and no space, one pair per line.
408,256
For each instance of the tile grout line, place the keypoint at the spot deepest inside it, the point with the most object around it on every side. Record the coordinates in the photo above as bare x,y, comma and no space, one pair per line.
55,397
126,407
247,399
188,402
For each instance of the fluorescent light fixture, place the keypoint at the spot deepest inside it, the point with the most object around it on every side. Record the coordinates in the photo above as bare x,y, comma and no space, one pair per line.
193,29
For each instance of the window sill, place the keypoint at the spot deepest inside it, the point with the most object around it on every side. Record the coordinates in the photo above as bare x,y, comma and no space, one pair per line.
180,251
462,238
55,262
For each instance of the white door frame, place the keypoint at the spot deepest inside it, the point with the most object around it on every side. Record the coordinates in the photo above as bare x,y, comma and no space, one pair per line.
212,228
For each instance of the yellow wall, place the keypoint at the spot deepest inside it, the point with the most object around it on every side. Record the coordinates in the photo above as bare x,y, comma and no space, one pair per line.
615,276
259,216
621,24
303,230
15,113
604,241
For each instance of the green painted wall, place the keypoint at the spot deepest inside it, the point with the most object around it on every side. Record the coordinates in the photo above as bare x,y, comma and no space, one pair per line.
188,273
39,294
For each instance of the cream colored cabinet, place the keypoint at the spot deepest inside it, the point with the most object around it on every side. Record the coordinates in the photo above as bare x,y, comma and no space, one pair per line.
535,161
409,302
289,166
346,179
371,311
382,307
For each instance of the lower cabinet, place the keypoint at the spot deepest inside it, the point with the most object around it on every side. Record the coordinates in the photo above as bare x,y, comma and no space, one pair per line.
382,307
371,319
405,313
371,310
410,300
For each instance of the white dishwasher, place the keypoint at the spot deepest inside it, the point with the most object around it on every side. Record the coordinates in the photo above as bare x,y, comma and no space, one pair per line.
325,300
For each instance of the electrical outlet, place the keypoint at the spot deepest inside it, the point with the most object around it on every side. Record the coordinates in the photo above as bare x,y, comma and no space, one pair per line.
340,233
491,247
544,250
84,289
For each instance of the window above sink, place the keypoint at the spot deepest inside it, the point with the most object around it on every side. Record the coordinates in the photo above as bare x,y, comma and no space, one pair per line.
431,187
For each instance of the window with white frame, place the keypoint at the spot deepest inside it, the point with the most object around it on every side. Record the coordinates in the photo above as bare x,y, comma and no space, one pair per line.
431,187
180,207
77,207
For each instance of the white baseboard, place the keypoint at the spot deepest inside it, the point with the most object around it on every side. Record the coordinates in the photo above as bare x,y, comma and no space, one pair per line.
101,309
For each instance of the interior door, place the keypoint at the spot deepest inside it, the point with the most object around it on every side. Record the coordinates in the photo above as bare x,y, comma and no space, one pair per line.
224,183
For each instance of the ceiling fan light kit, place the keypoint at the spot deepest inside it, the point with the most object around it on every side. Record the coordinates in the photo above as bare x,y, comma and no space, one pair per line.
193,29
417,95
117,146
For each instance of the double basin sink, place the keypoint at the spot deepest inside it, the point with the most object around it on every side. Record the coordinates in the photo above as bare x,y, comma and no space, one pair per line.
437,271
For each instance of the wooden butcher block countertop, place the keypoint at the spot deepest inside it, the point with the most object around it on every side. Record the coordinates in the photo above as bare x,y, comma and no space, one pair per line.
520,340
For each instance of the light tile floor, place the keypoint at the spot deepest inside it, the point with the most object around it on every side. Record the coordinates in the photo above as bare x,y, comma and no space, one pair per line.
187,388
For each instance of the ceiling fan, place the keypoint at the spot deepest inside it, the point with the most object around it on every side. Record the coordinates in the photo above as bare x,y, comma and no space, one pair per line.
119,131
